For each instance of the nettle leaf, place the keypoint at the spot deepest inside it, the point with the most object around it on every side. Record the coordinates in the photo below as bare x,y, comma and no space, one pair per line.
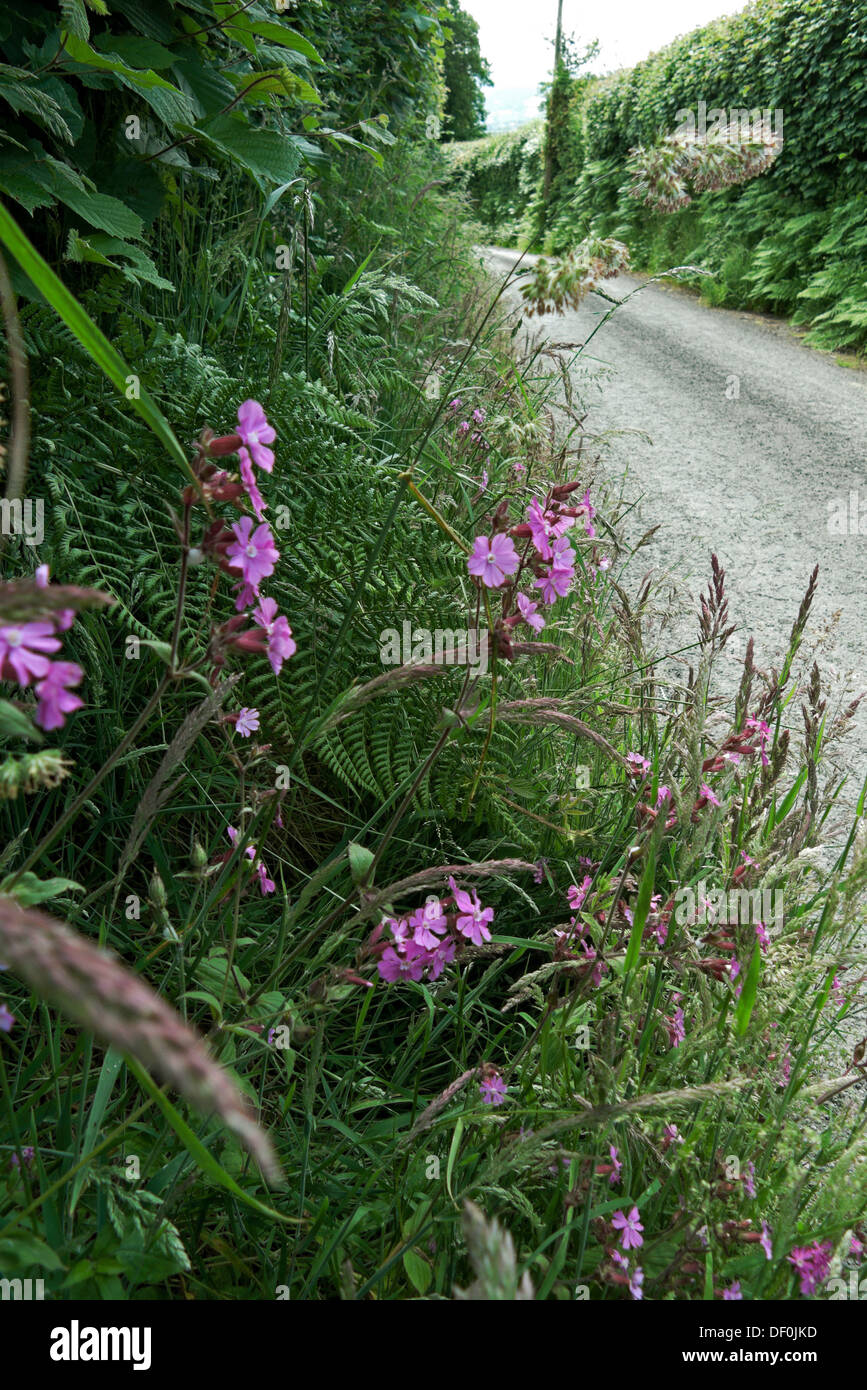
75,18
22,187
144,16
67,100
99,248
210,91
102,211
254,86
170,104
136,52
375,130
263,153
287,38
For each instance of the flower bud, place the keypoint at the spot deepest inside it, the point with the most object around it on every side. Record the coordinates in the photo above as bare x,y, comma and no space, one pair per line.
157,891
224,444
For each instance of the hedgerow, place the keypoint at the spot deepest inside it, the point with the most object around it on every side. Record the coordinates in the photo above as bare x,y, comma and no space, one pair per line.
335,967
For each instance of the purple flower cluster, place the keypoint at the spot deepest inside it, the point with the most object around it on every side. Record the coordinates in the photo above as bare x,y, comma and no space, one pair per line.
425,942
813,1263
266,884
549,558
245,550
26,657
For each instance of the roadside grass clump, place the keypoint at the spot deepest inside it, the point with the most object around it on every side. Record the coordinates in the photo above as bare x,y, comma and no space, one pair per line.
337,968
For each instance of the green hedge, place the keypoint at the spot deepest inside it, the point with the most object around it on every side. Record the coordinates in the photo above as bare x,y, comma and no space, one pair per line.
795,240
501,174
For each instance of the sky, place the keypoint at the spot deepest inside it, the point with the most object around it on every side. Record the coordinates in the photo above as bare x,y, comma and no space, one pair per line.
516,37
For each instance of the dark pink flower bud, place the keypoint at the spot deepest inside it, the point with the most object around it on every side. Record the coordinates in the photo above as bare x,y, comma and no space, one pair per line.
224,444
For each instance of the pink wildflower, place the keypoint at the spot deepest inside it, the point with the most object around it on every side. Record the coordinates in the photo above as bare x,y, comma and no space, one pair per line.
529,612
555,584
7,1020
577,895
762,731
630,1229
254,552
440,956
232,833
256,433
617,1166
246,721
542,529
428,924
637,764
55,698
492,560
23,649
409,966
676,1030
671,1135
248,478
473,919
281,644
813,1264
708,794
493,1090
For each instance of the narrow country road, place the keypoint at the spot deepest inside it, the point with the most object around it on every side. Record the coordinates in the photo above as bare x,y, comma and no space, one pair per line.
735,438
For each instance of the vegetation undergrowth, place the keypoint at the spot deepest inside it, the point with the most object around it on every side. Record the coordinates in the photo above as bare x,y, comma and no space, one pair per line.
450,957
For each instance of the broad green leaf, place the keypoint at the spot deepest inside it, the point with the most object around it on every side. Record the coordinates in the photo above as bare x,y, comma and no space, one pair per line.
102,211
642,907
21,1252
418,1271
263,153
287,38
15,724
136,51
747,999
30,890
